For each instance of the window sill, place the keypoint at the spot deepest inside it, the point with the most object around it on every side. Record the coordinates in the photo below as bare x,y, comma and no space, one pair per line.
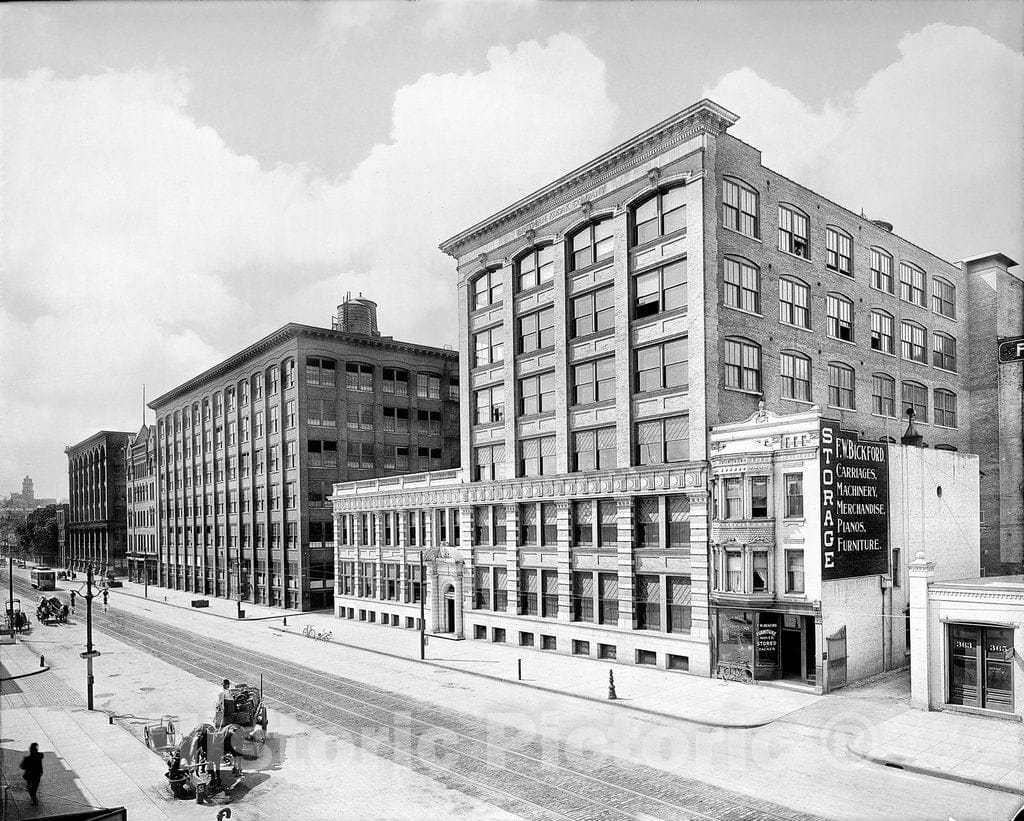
592,266
742,390
945,370
797,401
945,427
837,339
795,327
592,337
535,352
535,417
883,416
742,310
841,408
882,290
883,353
600,403
945,316
915,304
651,243
841,273
475,312
791,255
647,394
533,289
794,520
741,234
481,368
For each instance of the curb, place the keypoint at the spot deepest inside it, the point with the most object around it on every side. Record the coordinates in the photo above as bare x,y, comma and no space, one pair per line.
45,669
541,687
914,768
207,612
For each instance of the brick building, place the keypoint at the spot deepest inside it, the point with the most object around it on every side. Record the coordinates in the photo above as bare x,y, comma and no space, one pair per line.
607,322
96,504
248,450
140,467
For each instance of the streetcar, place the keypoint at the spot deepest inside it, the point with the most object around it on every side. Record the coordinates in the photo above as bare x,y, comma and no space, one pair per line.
44,578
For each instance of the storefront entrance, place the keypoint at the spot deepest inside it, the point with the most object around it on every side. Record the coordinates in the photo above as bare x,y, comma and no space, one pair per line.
981,666
449,609
763,645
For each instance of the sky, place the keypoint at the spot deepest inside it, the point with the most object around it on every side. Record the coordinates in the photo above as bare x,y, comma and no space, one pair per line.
179,179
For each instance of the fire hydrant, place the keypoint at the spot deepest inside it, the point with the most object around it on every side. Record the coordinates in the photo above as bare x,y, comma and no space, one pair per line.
611,686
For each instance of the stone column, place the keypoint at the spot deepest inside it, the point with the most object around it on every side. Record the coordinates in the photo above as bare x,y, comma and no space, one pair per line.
564,525
624,508
919,576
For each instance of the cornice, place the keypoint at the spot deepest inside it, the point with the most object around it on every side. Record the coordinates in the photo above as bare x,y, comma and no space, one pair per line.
1010,597
691,480
704,117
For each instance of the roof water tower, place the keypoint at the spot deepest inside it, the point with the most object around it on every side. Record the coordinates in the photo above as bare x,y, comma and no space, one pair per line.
357,316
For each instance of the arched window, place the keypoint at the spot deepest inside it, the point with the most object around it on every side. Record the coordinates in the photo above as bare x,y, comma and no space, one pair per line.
257,386
883,395
742,361
662,213
944,351
273,380
592,243
838,251
915,396
945,408
218,407
882,334
841,386
912,342
359,377
943,297
741,284
796,376
839,315
487,288
243,393
794,231
794,302
912,284
321,371
881,270
535,267
740,207
288,373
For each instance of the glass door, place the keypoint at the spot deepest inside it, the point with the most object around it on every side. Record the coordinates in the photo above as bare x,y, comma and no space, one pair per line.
981,666
997,693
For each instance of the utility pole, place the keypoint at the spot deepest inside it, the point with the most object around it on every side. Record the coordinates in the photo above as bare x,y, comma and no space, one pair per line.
423,609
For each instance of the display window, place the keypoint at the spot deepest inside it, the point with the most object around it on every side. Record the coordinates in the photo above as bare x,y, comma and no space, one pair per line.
980,666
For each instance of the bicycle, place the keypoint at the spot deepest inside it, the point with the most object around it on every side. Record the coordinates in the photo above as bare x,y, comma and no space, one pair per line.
310,632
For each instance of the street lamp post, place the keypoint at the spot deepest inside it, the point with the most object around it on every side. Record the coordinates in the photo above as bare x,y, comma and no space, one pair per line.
423,611
89,653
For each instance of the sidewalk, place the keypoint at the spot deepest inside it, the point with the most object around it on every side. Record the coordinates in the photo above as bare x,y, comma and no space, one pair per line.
986,752
709,702
87,763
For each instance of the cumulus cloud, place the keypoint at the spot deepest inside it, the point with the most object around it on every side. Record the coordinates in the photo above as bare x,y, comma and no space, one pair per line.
140,248
931,142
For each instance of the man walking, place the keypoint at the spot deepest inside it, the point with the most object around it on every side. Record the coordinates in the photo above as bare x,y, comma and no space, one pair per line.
105,594
32,765
73,594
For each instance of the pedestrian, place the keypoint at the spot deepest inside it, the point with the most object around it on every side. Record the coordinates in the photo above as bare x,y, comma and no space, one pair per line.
73,594
106,593
226,685
32,765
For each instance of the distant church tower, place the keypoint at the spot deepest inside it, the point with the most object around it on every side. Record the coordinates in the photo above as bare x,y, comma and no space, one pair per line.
28,493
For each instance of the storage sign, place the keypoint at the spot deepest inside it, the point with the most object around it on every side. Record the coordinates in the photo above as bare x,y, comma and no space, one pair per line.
854,504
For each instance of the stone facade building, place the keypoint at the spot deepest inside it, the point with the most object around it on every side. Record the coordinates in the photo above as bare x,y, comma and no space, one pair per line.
96,506
140,467
606,323
247,452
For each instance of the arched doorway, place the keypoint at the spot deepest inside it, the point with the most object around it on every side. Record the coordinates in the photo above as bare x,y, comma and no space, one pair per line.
449,609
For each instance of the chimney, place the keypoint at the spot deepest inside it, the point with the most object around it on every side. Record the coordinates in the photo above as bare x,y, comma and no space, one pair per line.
911,437
357,316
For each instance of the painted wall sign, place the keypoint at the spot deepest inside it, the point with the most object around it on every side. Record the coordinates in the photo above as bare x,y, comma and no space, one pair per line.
854,504
768,643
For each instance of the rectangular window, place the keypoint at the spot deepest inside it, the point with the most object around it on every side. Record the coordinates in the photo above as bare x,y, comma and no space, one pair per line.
583,523
487,289
608,603
734,571
881,271
395,382
759,497
678,511
663,440
794,495
320,371
536,268
537,394
794,571
733,494
593,243
839,253
594,312
662,366
594,449
528,524
912,342
607,523
500,590
739,208
664,289
841,386
794,302
796,377
839,314
428,423
944,352
912,284
359,377
648,602
528,593
678,597
488,347
396,457
742,365
741,285
489,405
648,522
594,381
481,525
536,331
486,462
428,386
882,332
943,298
360,455
759,564
537,457
945,409
396,420
359,417
793,232
549,601
499,524
481,588
895,568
